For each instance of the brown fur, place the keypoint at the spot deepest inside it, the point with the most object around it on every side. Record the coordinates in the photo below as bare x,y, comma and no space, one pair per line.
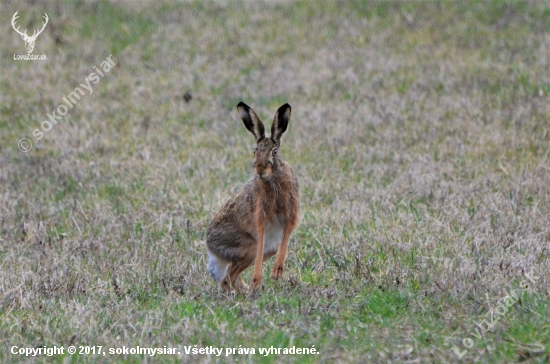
270,198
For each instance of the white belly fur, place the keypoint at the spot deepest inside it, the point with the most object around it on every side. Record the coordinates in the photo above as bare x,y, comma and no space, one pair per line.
273,234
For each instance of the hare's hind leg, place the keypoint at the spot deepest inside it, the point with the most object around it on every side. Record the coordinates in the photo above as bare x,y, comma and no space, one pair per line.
225,284
237,283
234,274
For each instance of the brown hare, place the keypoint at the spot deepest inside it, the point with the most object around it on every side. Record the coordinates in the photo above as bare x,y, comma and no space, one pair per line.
256,223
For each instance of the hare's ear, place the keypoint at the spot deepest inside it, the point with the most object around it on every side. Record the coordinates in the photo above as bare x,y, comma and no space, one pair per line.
280,123
251,121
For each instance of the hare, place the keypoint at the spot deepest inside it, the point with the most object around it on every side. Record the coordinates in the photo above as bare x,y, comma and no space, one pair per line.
256,223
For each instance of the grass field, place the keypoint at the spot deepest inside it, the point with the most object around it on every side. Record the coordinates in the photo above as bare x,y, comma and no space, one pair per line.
420,135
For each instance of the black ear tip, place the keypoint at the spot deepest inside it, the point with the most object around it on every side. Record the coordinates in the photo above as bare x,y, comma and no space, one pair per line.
242,104
285,107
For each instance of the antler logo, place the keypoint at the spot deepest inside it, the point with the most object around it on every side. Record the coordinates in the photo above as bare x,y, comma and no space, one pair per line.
29,41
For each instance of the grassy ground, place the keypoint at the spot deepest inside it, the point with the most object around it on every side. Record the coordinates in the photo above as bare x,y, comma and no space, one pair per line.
420,136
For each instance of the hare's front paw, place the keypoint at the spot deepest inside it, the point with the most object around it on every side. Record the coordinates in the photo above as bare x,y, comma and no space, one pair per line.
255,283
277,272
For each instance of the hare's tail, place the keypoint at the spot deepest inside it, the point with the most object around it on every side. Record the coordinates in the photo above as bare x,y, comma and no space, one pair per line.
217,267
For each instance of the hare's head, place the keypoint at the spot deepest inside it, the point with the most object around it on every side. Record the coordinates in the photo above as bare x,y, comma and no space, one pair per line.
266,153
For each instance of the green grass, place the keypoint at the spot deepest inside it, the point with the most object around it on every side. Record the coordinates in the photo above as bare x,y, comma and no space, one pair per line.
419,135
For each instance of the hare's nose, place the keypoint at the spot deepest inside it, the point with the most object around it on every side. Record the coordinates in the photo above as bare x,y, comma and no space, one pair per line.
264,175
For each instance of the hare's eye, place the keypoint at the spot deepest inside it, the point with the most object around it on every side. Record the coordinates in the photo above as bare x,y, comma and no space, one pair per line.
255,149
274,151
